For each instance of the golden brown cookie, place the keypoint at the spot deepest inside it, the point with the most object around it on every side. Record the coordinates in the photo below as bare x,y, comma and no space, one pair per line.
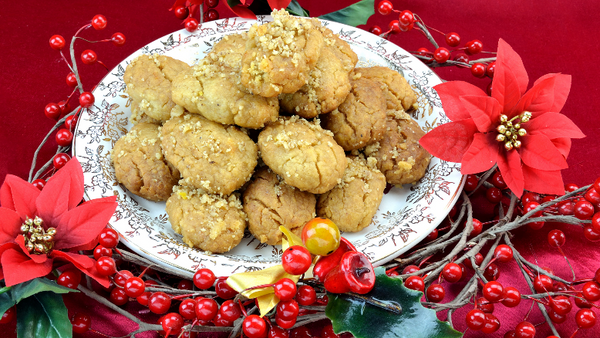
303,154
215,158
360,119
213,89
398,93
352,204
399,155
208,222
148,80
280,54
140,165
270,203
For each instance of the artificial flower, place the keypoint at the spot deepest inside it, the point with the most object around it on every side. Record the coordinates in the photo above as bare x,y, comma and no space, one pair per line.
76,226
521,131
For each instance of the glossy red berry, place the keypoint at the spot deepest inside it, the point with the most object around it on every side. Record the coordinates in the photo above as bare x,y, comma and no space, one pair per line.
296,260
172,323
478,260
86,99
88,57
473,47
277,332
585,318
542,284
471,183
159,302
435,293
191,24
415,283
492,324
406,18
385,7
306,295
478,70
509,334
556,238
204,279
452,272
432,235
106,266
491,272
69,279
490,69
81,323
39,183
71,122
591,291
452,39
596,222
475,319
254,327
223,289
584,210
503,253
285,289
493,291
529,197
135,287
591,234
108,238
485,305
477,227
211,3
187,308
288,310
144,298
100,251
410,269
512,297
118,39
99,22
181,12
206,309
556,317
230,311
57,42
462,57
52,111
121,277
394,27
118,297
441,55
59,160
525,330
561,305
211,15
376,30
64,137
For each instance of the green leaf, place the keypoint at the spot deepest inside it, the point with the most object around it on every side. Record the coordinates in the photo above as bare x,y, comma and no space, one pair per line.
295,9
34,286
353,15
363,320
5,302
43,315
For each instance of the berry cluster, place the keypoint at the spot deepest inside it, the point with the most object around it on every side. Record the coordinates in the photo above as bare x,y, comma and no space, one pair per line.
187,10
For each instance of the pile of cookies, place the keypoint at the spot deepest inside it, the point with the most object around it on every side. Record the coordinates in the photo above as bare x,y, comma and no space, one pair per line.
273,127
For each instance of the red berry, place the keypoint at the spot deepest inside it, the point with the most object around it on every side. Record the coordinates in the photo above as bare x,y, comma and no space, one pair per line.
254,327
492,324
491,272
596,222
230,311
185,284
99,22
52,111
452,272
181,12
122,276
512,297
81,323
64,137
211,3
425,52
478,260
394,27
108,238
591,291
415,283
376,30
86,99
144,298
277,332
159,303
441,55
288,310
432,235
556,317
493,291
570,187
385,7
69,279
410,269
452,39
224,290
435,293
172,323
204,279
211,15
296,260
542,284
187,309
101,251
525,330
65,108
491,68
503,253
306,295
88,57
285,289
471,183
585,318
57,42
118,39
106,266
191,24
590,233
462,57
59,160
474,47
529,197
134,287
592,196
71,122
584,210
529,206
478,70
484,305
509,334
556,238
475,319
206,308
39,183
561,305
566,207
118,297
477,228
406,18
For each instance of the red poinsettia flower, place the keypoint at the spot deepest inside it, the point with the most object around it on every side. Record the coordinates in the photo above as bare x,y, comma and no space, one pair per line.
25,256
521,131
239,7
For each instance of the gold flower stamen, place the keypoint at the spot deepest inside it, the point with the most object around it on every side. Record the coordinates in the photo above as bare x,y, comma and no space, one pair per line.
37,240
510,130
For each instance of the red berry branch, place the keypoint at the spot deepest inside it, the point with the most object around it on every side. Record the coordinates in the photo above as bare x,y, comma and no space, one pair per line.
188,10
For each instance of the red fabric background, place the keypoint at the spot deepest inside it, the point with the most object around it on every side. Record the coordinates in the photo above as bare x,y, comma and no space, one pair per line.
551,36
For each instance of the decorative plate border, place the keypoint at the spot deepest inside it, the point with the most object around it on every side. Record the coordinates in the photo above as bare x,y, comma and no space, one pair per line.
406,216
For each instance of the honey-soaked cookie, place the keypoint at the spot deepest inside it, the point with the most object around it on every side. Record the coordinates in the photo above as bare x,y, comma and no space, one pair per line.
213,88
207,222
140,165
399,155
305,155
280,54
210,156
360,119
399,95
148,84
270,203
352,204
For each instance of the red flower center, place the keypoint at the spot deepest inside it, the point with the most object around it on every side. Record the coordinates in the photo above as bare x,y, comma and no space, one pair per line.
510,130
37,240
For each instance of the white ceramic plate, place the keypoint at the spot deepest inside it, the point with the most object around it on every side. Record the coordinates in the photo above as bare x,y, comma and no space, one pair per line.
404,218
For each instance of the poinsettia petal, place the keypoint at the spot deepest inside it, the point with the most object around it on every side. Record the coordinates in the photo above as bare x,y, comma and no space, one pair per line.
450,93
19,195
511,169
177,4
553,125
18,268
484,110
540,153
547,95
563,145
279,4
3,248
242,12
62,192
482,154
20,240
449,141
84,264
508,58
543,181
505,89
10,225
81,225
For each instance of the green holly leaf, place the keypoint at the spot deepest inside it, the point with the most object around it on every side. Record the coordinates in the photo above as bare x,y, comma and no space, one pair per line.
364,320
43,315
34,286
294,8
353,15
5,302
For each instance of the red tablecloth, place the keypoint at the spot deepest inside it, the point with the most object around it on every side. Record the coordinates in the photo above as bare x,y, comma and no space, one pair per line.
551,36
